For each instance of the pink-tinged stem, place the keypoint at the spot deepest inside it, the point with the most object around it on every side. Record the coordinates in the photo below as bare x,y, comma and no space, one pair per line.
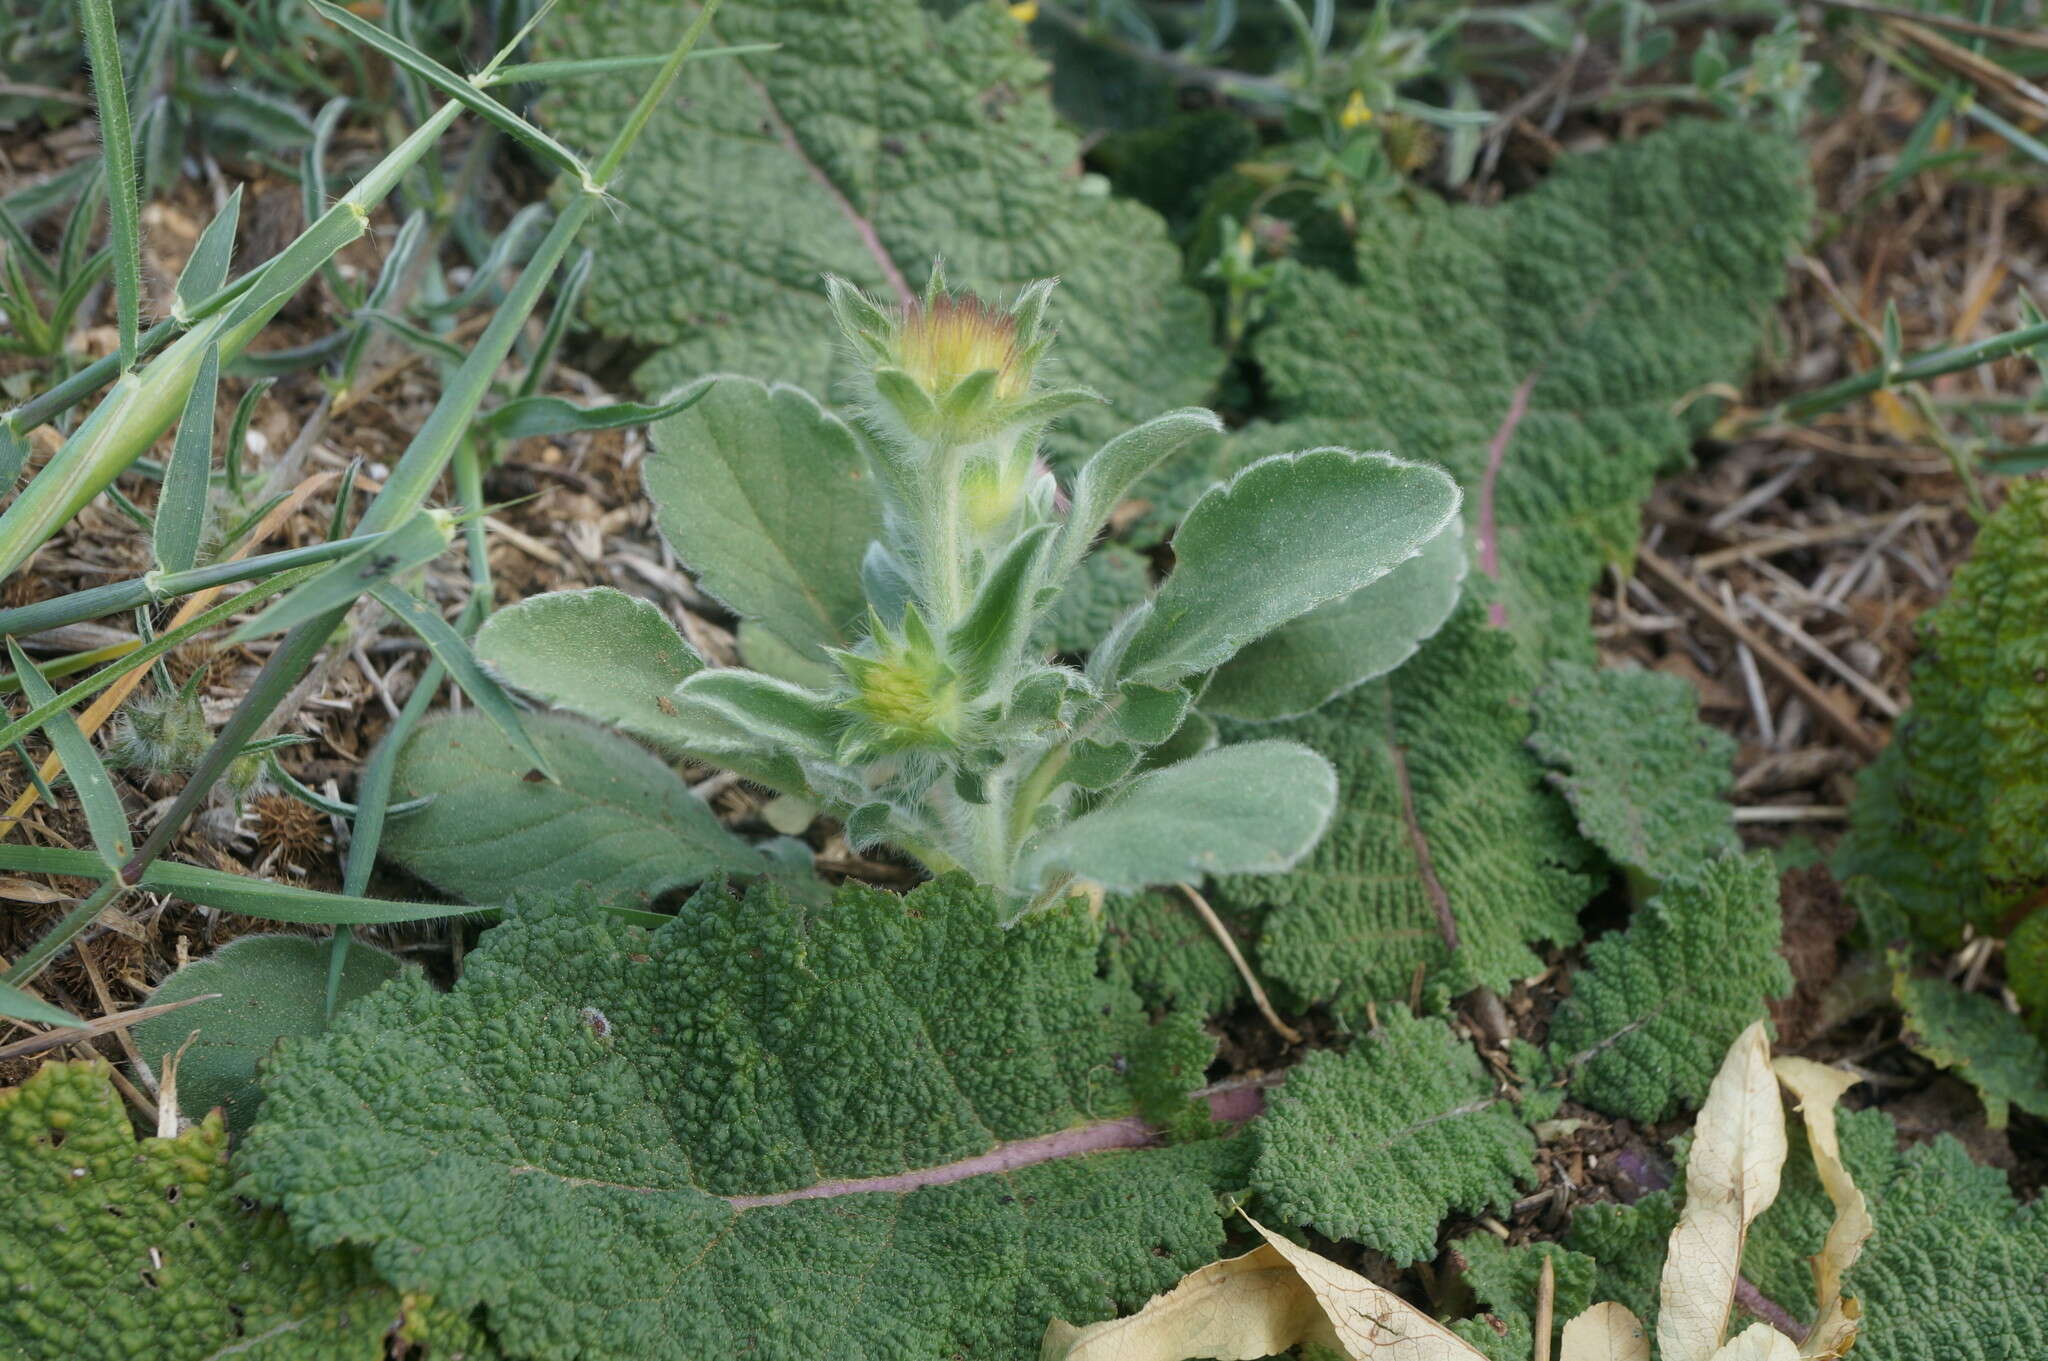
1232,1105
1488,531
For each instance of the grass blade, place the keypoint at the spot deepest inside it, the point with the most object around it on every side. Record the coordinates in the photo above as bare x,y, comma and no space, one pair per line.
250,896
17,1005
124,213
525,416
181,509
207,270
537,71
96,792
143,655
568,297
413,544
52,942
13,457
456,87
451,651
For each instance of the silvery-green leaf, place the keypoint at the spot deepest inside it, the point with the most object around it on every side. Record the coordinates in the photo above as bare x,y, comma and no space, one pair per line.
1001,614
769,500
1301,666
1284,536
619,819
1256,808
1115,468
600,653
773,713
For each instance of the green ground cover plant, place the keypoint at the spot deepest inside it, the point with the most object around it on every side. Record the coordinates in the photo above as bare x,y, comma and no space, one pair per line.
1198,884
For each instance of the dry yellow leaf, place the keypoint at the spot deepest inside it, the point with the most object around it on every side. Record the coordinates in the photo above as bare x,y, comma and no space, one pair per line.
1731,1177
1606,1332
1817,1088
1759,1342
1260,1304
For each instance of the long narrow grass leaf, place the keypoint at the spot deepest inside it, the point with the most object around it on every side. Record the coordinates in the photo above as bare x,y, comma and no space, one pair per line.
652,97
320,803
542,71
496,259
96,793
451,651
124,213
238,433
17,1005
181,508
207,270
146,653
13,457
242,893
22,250
52,942
417,542
457,88
526,416
568,298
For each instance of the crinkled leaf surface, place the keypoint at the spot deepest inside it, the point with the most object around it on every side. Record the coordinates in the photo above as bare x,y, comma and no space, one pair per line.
1647,780
768,498
748,1132
1957,1268
619,820
1157,942
1543,350
1380,1143
1443,812
875,138
1655,1007
125,1249
270,987
1504,1280
1952,821
1987,1046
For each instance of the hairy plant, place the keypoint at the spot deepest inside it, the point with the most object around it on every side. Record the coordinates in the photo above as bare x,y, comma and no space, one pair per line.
892,579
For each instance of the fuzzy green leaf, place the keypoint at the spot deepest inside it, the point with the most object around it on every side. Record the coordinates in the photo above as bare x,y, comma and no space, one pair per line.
1379,1144
1255,808
1303,665
1648,781
1101,590
877,137
618,819
766,496
126,1249
592,1094
1951,823
1544,351
1988,1046
270,987
601,653
1444,816
1655,1008
1284,536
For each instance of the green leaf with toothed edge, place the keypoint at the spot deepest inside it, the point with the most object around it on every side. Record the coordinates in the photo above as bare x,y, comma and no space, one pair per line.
1547,351
1987,1046
591,1093
1444,818
125,1249
1647,780
1378,1144
875,138
1655,1008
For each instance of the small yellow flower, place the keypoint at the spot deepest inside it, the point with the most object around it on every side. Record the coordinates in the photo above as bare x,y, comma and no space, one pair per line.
1024,13
941,342
1357,113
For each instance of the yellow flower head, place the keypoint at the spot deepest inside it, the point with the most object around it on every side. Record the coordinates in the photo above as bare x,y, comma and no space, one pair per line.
942,341
1356,112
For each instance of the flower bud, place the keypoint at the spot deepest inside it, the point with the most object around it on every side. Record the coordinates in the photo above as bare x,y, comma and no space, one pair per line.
905,694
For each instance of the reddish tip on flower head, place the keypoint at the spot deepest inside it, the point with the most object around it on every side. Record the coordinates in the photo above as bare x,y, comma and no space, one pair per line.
943,341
